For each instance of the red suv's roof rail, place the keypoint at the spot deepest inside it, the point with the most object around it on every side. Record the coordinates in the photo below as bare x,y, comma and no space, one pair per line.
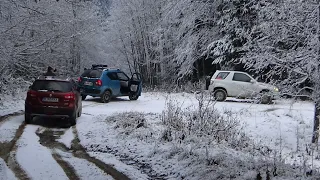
42,77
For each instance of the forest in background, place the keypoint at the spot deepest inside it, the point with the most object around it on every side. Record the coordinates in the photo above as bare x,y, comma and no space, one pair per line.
170,42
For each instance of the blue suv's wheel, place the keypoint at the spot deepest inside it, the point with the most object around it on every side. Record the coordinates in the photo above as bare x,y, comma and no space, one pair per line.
106,97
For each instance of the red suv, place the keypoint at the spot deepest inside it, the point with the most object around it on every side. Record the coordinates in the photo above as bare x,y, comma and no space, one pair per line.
53,97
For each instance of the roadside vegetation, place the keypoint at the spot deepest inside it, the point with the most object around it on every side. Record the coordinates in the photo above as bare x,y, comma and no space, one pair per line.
206,142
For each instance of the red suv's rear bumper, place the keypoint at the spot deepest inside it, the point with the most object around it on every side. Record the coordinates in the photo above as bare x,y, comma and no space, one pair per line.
52,111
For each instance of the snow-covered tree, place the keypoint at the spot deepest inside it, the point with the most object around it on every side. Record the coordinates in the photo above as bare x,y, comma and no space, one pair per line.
37,34
285,44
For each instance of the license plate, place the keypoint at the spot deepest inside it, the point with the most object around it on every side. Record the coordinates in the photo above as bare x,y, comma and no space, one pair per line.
88,83
47,99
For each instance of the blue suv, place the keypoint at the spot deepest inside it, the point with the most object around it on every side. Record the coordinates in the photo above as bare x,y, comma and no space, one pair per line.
106,83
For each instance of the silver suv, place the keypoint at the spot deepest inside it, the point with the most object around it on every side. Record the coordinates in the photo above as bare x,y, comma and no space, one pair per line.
238,84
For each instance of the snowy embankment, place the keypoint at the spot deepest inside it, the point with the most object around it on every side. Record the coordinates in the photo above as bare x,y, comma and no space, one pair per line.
11,105
154,138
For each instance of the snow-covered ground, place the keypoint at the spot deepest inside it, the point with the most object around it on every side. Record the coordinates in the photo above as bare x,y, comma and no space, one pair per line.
5,172
285,127
67,138
8,128
9,105
135,138
36,159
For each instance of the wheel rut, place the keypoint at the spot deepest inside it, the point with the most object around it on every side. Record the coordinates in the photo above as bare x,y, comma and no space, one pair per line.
48,138
8,154
80,152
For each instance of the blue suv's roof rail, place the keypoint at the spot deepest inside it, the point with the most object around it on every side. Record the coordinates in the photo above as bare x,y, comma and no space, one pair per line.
107,69
99,66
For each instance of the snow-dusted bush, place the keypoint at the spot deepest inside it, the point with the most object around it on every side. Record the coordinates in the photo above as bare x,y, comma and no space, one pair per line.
203,122
129,121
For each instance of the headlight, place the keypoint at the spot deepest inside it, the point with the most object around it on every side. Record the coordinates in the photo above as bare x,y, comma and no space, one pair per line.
276,89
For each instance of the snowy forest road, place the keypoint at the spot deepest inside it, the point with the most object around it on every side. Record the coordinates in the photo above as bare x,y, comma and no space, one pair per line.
26,149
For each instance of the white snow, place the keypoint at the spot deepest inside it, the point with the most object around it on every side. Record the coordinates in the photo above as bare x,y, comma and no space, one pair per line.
84,169
67,138
109,132
283,126
36,159
5,172
11,105
9,128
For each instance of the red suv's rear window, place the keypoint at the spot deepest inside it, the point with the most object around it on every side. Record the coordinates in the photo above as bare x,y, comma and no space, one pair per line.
58,86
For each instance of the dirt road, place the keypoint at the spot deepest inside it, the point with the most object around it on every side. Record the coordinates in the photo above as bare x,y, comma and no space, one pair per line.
42,137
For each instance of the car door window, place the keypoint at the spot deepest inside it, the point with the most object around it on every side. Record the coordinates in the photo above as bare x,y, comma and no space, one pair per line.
241,77
122,77
222,75
112,75
136,77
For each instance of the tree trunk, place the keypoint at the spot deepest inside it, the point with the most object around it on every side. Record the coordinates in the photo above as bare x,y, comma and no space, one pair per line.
315,135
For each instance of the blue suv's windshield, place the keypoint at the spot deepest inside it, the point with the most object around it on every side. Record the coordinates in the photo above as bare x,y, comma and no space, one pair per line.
92,73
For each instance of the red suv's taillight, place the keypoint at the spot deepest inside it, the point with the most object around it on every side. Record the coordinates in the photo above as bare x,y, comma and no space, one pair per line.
69,96
31,93
99,82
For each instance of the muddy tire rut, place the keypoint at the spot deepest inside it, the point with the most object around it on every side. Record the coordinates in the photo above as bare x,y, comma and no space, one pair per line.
48,138
126,159
80,152
8,154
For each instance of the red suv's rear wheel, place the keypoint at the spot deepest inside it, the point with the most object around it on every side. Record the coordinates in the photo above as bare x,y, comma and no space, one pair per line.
73,118
27,118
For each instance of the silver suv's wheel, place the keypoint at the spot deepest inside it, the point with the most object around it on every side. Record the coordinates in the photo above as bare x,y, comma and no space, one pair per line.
220,95
265,99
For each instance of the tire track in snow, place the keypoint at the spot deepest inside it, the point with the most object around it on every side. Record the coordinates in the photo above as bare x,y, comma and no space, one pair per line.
67,168
48,139
75,166
80,152
8,149
36,159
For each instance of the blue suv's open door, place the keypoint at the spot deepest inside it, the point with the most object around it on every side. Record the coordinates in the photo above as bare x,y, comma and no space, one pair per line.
135,85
